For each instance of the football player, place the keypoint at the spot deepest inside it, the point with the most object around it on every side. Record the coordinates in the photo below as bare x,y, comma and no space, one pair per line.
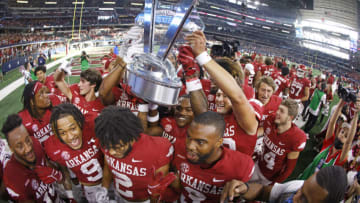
282,143
37,110
5,155
203,165
76,148
300,85
282,82
48,81
265,88
132,158
113,91
175,127
82,95
241,116
26,175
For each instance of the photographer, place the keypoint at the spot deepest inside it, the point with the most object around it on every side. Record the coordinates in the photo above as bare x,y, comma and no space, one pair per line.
336,145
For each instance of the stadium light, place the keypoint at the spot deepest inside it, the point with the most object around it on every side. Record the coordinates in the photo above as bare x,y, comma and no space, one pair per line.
106,9
22,2
77,2
256,2
50,2
109,2
136,4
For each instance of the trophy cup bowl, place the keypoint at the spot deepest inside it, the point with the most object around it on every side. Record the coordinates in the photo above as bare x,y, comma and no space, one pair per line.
152,77
154,80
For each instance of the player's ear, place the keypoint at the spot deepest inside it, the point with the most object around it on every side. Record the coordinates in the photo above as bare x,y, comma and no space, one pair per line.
219,143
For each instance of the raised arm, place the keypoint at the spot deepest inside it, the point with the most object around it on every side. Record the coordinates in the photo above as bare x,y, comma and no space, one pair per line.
347,145
331,127
110,81
59,78
241,107
306,95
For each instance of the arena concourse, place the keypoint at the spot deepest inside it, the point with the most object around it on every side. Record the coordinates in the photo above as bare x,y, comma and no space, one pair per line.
253,101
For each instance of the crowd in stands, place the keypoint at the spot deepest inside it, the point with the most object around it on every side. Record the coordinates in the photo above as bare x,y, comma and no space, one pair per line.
236,132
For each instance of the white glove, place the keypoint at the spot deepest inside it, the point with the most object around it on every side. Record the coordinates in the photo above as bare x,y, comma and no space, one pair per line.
65,66
102,195
191,27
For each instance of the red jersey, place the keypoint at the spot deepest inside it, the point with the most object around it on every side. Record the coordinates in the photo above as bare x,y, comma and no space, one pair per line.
235,138
171,130
50,84
331,80
276,147
271,107
39,128
124,100
23,184
248,91
249,80
206,184
93,107
257,67
211,102
282,82
86,163
4,156
267,70
297,87
292,72
133,173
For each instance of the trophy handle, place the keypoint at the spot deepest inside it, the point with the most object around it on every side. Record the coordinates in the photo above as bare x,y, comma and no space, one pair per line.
149,24
182,13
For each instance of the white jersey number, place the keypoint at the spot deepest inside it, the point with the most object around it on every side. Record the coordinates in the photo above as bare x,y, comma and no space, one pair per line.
195,195
295,89
270,160
91,167
229,143
124,181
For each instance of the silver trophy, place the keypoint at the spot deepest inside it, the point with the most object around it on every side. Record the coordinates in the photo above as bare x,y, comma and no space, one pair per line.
152,77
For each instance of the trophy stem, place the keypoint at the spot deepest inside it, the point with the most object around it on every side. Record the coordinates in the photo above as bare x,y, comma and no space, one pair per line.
175,27
149,24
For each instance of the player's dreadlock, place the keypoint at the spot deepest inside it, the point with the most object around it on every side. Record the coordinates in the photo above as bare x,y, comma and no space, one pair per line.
13,121
28,95
64,110
333,179
116,124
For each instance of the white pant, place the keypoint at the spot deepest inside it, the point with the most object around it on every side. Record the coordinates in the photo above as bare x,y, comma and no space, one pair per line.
258,177
90,192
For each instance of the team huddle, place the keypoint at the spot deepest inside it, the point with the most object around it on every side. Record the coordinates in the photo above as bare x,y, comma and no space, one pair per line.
231,135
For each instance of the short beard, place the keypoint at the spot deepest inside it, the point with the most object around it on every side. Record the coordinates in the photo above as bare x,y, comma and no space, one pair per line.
202,158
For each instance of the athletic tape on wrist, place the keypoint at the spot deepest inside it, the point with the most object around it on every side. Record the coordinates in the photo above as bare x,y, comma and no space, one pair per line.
153,118
153,106
203,58
143,108
193,84
69,194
